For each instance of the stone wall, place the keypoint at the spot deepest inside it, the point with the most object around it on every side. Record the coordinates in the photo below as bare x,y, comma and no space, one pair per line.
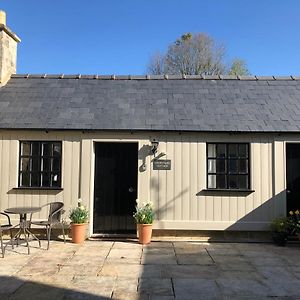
8,57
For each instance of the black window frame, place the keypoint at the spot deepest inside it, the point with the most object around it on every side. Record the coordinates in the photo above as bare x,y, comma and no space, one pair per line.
226,173
40,158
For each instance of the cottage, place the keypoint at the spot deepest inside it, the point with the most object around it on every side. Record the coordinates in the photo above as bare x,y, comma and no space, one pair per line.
211,152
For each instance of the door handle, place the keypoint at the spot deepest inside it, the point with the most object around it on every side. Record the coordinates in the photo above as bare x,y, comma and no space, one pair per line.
288,191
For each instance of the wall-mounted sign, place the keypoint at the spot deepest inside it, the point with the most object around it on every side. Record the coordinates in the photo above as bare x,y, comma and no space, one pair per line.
162,164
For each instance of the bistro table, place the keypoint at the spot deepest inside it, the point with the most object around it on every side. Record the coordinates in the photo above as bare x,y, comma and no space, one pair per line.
24,224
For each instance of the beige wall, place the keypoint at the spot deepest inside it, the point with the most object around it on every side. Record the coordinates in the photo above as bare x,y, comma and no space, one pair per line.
177,194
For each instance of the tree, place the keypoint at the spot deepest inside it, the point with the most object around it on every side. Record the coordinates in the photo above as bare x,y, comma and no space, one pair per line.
195,54
238,68
156,64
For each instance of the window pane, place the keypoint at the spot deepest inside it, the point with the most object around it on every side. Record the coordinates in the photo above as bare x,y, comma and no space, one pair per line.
35,148
211,150
55,178
211,167
221,166
243,150
221,150
232,181
46,149
233,150
45,164
243,181
24,179
46,179
25,164
243,167
35,164
232,166
25,148
56,149
56,164
211,181
221,182
35,179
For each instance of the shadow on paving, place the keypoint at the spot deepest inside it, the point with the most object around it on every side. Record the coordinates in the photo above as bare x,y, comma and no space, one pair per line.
164,270
13,288
196,270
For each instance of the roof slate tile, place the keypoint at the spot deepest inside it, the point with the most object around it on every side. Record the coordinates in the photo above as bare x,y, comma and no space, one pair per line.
247,104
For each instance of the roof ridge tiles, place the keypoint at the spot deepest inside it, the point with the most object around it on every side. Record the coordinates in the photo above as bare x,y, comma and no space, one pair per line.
154,77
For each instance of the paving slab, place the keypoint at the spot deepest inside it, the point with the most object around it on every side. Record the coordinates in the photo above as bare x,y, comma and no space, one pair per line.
243,287
126,285
159,250
161,270
156,286
120,295
192,289
190,271
156,259
125,253
194,259
9,285
131,271
31,290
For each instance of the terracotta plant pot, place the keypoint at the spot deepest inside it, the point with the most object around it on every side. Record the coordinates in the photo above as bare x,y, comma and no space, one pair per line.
78,232
144,233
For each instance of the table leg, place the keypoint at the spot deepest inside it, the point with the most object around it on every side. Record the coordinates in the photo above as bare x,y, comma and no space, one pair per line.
25,231
33,235
26,238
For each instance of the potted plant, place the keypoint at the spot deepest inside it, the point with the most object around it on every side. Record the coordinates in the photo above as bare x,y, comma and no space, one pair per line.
78,217
280,228
144,216
294,222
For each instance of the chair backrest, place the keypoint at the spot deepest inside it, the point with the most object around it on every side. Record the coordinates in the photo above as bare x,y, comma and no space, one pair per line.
55,211
7,225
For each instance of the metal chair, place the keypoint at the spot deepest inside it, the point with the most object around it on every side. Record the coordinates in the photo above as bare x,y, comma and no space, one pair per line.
54,218
4,227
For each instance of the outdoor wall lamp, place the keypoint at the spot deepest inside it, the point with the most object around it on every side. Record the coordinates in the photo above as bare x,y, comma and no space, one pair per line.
154,146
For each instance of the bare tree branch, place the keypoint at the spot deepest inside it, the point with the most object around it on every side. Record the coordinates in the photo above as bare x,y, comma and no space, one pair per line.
196,54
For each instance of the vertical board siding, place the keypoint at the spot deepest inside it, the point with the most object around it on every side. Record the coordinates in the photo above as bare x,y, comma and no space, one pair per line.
170,179
178,180
193,181
9,168
188,174
178,194
201,180
162,186
279,162
185,181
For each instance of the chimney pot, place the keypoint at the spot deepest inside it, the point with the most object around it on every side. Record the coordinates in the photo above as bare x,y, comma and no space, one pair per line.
2,17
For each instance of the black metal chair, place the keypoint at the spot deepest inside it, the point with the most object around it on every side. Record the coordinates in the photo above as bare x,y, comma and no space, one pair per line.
54,217
5,227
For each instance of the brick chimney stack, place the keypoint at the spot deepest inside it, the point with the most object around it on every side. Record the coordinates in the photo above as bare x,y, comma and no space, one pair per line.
8,50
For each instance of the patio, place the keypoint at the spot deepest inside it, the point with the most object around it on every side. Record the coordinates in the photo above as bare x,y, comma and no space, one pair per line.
161,270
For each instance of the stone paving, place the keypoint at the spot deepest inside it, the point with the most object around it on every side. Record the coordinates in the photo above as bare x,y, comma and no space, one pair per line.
161,270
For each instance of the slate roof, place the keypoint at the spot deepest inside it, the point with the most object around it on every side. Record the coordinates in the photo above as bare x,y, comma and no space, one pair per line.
170,103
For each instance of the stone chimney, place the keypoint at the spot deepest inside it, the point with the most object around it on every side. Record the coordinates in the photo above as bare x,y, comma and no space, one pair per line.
8,50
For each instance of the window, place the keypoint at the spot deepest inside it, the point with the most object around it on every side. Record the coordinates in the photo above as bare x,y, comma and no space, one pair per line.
40,164
228,166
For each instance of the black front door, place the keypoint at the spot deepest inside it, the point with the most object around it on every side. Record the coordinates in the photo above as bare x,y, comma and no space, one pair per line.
293,176
116,166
